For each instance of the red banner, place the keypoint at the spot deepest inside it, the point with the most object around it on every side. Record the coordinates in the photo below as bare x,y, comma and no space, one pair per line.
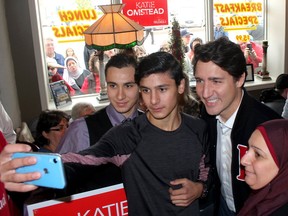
147,13
110,201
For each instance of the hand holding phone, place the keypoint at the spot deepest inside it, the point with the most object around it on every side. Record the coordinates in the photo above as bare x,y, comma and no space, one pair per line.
249,46
49,165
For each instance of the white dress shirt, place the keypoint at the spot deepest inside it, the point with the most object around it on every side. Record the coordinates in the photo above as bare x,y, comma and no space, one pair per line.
224,157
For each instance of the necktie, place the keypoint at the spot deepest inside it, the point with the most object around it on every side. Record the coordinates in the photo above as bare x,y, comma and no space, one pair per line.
126,120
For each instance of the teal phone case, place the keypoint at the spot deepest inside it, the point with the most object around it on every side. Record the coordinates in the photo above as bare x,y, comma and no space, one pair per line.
49,165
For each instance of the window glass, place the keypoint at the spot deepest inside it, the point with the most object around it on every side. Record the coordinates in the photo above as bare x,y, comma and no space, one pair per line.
242,22
64,21
190,16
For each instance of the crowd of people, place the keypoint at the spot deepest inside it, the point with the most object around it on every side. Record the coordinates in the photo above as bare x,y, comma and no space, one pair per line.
171,161
78,79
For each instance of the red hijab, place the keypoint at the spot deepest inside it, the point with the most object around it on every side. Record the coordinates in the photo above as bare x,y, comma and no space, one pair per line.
274,195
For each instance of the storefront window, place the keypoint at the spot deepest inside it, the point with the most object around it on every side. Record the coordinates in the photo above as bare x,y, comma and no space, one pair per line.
243,22
64,21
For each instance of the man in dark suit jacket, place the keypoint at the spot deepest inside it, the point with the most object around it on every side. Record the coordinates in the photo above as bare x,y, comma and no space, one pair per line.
231,114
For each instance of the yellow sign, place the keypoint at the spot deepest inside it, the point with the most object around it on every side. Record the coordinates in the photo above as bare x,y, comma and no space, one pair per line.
73,24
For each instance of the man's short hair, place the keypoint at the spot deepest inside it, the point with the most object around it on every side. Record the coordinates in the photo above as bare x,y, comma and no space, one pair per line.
160,62
281,82
121,60
224,53
79,108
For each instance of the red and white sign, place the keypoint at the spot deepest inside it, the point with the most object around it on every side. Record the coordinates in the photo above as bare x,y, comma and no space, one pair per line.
147,13
109,201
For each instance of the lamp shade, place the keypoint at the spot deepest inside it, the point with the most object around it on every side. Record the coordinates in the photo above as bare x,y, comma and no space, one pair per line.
113,30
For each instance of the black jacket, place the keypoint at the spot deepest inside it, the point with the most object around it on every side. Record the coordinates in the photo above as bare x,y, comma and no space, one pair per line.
251,113
98,124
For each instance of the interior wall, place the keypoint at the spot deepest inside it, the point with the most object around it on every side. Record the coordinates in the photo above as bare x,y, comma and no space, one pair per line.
8,92
22,50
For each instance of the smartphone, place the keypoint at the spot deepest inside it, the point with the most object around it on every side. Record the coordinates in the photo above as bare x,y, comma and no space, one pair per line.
249,46
49,165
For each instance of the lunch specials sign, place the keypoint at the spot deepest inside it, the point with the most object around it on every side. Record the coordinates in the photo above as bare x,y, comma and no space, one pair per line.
109,201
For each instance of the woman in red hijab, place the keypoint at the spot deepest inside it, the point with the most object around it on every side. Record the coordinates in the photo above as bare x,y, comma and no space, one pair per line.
266,169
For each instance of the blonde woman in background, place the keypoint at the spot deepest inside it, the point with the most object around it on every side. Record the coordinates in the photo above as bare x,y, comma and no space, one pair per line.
70,52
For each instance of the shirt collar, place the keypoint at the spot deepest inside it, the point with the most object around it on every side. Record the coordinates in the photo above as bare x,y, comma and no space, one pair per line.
229,123
117,118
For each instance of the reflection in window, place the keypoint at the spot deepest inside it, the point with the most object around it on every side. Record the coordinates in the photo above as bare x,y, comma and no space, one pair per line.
242,22
64,21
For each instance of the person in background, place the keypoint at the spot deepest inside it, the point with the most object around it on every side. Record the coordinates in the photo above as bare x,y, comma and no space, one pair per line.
231,114
281,87
109,53
253,53
51,126
86,55
129,51
54,76
190,104
70,52
276,98
74,75
258,33
149,31
165,47
192,45
219,32
140,52
188,68
50,52
190,56
164,173
91,83
266,170
186,37
6,125
82,109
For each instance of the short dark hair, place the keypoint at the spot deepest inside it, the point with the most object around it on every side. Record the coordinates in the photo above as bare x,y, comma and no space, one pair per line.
160,62
281,83
121,60
193,40
46,120
224,53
